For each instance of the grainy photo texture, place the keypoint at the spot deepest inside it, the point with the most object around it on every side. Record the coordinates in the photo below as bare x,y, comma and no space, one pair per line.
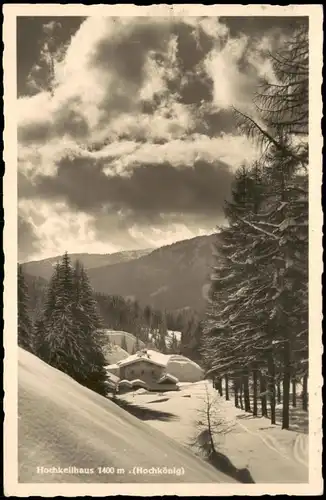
163,233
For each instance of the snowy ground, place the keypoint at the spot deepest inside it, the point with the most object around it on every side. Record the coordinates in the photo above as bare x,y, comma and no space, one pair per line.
271,454
63,425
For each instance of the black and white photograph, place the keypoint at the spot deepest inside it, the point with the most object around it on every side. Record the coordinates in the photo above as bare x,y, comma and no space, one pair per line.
162,293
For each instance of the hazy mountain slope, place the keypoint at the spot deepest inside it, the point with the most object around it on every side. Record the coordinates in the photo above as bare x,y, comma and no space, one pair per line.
72,426
44,268
171,277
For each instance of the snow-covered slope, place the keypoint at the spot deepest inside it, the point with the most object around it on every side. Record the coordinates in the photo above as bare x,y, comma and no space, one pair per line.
116,353
62,424
184,369
116,338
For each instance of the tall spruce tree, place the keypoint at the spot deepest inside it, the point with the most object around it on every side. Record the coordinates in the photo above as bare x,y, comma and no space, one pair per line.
89,324
25,333
229,331
60,345
162,333
44,316
66,336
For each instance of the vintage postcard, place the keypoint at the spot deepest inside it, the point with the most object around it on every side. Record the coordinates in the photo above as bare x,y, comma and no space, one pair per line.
163,250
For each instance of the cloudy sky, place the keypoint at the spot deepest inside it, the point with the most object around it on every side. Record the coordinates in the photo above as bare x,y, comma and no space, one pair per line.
126,137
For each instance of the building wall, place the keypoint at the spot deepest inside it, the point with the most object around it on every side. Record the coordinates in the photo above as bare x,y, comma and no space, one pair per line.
141,370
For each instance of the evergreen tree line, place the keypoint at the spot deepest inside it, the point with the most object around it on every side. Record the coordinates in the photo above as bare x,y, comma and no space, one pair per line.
256,328
150,325
66,333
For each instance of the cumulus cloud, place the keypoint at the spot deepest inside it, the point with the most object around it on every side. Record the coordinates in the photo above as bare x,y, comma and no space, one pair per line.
50,228
133,140
28,239
150,69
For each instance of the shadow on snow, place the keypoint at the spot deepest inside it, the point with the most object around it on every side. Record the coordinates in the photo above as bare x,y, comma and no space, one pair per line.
144,413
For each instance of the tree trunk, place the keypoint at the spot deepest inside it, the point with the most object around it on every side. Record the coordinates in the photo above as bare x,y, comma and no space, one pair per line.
208,416
286,386
271,386
227,396
263,399
255,391
279,399
246,392
235,389
240,393
220,386
294,393
305,393
216,384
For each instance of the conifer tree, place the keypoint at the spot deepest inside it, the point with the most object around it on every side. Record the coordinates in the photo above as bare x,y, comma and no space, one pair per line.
162,333
60,346
68,341
89,323
25,333
43,319
173,345
85,305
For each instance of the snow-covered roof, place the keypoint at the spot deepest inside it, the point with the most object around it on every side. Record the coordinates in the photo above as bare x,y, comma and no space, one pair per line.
135,360
125,382
138,381
133,383
112,367
148,358
168,377
113,378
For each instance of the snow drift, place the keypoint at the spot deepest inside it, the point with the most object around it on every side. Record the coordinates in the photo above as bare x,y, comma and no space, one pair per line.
184,369
64,425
